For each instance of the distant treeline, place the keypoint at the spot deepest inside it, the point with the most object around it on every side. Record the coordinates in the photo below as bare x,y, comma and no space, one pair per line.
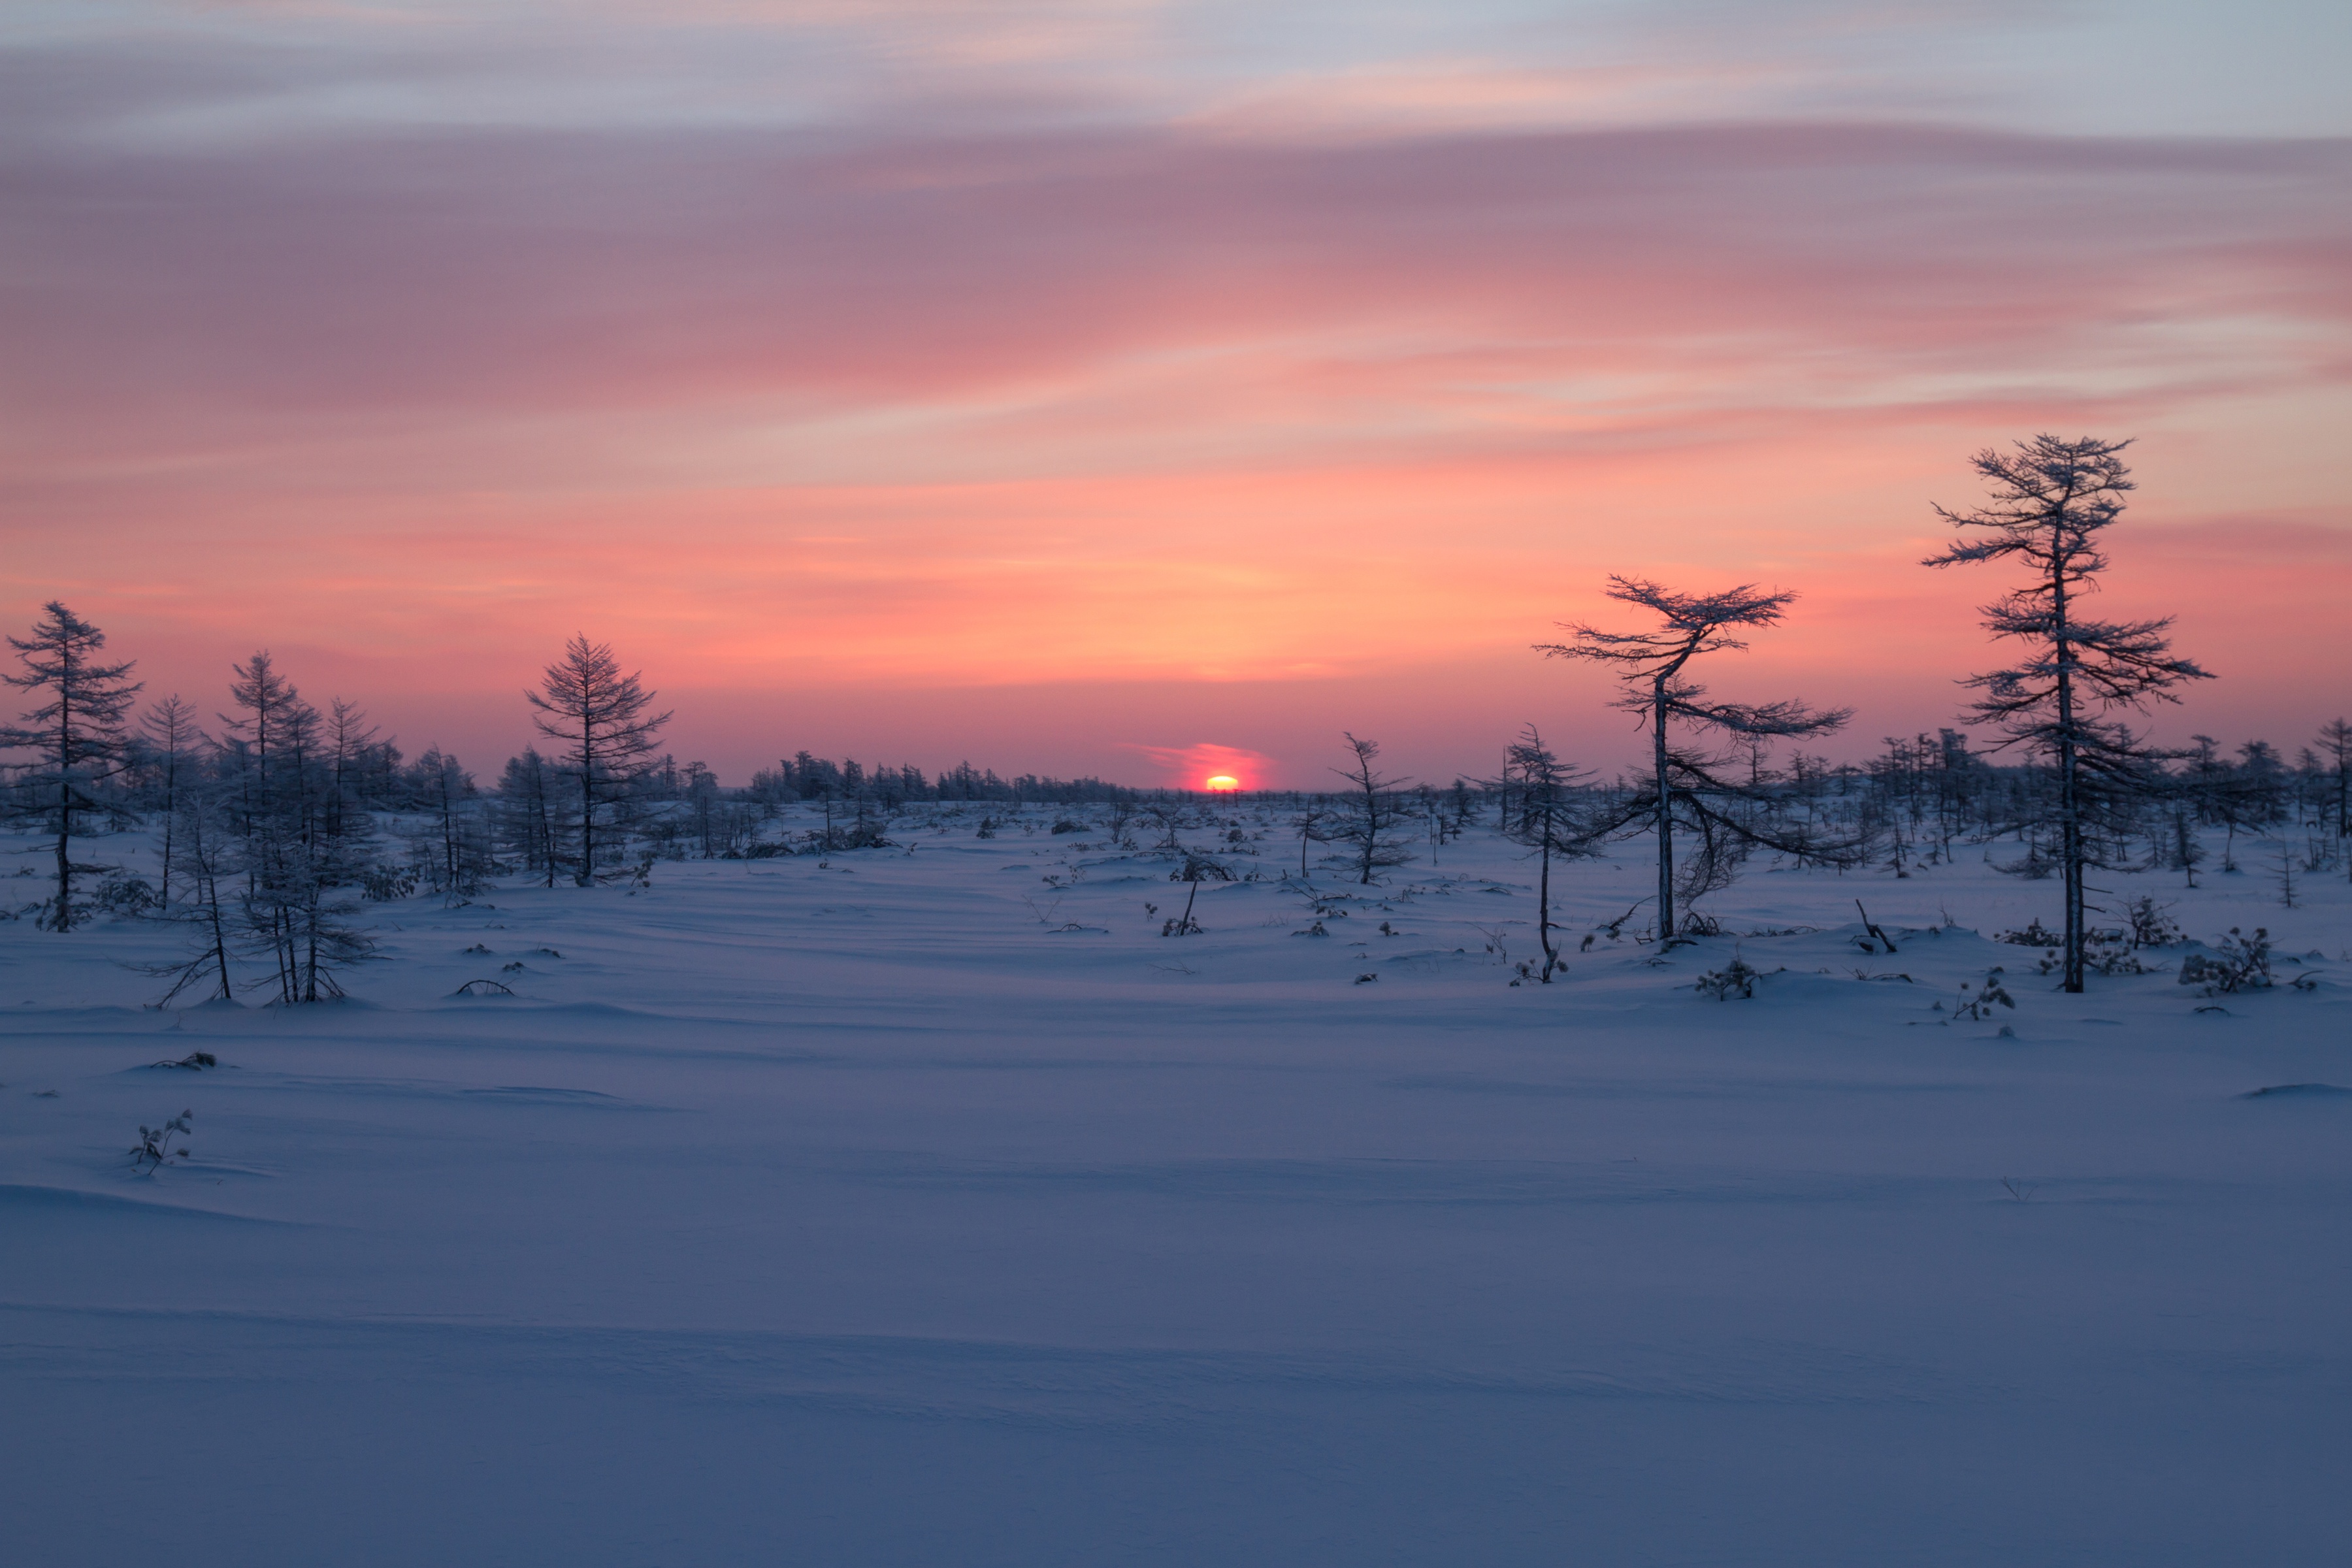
269,822
805,777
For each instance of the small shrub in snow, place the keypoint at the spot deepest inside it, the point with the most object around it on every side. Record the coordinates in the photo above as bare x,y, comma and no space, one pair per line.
381,884
2104,952
2240,962
1737,978
154,1151
194,1061
123,894
1977,1004
2151,924
2033,936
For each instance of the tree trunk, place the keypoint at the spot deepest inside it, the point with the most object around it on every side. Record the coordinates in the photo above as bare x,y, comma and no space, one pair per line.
2070,813
587,810
171,823
1665,810
1543,899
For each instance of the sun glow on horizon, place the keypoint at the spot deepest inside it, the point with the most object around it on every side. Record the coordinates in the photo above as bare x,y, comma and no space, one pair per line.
1296,386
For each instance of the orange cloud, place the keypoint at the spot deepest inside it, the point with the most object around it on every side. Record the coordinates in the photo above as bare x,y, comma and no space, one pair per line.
1023,441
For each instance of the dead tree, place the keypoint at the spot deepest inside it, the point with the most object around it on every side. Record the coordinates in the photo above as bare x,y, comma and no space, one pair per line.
77,734
2051,498
1684,780
599,715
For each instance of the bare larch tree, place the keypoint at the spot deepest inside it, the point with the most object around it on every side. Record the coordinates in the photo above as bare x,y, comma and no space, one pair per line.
1684,779
2335,741
172,738
599,715
77,733
1541,811
256,741
1369,818
2050,500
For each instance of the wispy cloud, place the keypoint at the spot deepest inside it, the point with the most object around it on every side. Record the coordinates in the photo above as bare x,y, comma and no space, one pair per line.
952,346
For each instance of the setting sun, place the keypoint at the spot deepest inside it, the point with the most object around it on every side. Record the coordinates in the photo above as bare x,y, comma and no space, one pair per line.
1223,782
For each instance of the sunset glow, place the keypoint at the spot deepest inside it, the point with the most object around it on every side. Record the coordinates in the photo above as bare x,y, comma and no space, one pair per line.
1060,388
1284,786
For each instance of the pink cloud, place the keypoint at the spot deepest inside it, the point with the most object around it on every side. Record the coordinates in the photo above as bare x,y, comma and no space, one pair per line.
1220,422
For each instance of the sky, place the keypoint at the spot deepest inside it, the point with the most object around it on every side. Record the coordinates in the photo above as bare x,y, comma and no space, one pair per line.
1152,390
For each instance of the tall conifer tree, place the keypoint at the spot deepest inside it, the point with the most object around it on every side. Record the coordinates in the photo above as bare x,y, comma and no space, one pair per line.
2051,498
599,715
77,733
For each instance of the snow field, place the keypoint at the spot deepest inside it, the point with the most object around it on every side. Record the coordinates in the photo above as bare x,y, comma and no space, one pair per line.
864,1211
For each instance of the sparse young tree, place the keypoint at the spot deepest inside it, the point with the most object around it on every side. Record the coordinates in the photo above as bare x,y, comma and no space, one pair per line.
2050,500
445,788
1314,824
2335,747
76,735
2183,852
256,739
528,813
349,739
1685,780
171,736
1372,815
295,917
203,853
599,715
1541,811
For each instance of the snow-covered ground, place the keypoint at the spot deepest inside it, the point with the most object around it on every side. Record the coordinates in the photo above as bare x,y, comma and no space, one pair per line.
907,1208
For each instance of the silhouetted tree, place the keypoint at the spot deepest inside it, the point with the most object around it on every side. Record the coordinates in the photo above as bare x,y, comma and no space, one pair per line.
445,788
77,734
599,715
349,740
1370,814
257,738
205,849
1541,810
2050,500
1683,779
171,736
529,815
2335,747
